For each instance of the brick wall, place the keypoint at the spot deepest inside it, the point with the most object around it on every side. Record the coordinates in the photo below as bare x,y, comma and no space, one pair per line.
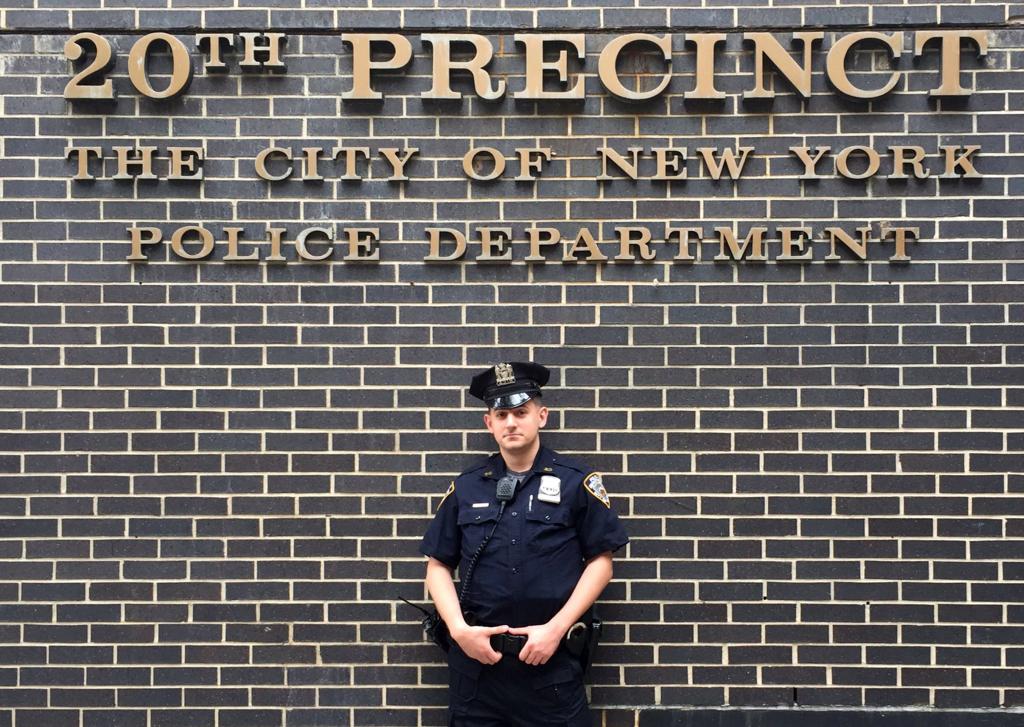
213,476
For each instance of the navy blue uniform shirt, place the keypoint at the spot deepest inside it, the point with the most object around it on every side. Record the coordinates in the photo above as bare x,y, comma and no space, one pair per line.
538,551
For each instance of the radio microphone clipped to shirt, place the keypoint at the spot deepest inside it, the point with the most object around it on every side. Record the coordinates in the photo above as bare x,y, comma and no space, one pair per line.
506,488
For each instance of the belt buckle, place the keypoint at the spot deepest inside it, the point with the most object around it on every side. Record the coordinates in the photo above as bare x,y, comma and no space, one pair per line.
512,644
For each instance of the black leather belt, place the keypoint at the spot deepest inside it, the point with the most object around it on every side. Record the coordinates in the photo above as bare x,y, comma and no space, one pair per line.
514,643
508,643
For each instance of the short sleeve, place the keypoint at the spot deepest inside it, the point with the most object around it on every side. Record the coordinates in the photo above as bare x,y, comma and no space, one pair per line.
443,540
597,525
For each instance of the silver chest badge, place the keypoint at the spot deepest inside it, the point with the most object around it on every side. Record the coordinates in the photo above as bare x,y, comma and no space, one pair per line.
550,489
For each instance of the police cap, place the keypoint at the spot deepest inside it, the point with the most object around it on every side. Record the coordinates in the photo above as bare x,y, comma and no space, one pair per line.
508,385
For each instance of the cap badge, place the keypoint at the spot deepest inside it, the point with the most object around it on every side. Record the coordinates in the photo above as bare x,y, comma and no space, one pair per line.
503,374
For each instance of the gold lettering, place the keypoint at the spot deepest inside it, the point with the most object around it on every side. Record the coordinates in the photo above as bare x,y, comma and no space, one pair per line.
435,255
956,161
232,255
794,238
766,45
706,43
835,63
951,42
261,163
181,66
178,242
185,159
684,235
469,163
715,167
142,236
584,242
904,155
398,163
629,168
300,243
608,61
900,236
82,154
351,154
362,64
144,162
842,162
443,66
103,61
362,244
536,65
860,249
271,47
638,237
494,242
668,159
311,163
541,237
727,238
528,164
275,256
810,163
213,60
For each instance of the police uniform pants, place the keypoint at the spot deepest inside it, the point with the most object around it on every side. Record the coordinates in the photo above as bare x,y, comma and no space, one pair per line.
511,694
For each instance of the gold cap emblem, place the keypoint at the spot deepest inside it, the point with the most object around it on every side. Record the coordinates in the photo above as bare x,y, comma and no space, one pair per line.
503,374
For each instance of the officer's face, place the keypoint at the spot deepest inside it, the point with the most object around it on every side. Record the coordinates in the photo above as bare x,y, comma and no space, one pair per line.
516,429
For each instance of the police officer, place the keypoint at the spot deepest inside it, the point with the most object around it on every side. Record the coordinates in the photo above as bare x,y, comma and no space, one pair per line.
532,531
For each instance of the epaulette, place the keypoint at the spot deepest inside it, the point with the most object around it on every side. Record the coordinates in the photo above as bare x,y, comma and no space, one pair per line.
572,464
480,464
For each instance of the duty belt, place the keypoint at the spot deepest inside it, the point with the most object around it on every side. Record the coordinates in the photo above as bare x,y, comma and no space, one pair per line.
510,644
514,643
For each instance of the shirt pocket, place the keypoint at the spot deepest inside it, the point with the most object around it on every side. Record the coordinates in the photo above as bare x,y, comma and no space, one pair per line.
475,524
549,529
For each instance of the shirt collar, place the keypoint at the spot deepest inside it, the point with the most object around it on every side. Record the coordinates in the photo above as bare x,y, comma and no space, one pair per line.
543,463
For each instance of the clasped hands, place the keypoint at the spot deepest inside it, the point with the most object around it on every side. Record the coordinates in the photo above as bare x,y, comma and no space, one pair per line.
541,642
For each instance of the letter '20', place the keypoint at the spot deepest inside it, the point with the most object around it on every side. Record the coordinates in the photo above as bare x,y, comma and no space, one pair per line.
78,88
88,83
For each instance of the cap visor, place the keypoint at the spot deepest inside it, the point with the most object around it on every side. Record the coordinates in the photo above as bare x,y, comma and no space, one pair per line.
510,401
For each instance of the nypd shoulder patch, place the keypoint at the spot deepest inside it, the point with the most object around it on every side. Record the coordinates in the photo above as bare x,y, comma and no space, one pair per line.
450,490
595,487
